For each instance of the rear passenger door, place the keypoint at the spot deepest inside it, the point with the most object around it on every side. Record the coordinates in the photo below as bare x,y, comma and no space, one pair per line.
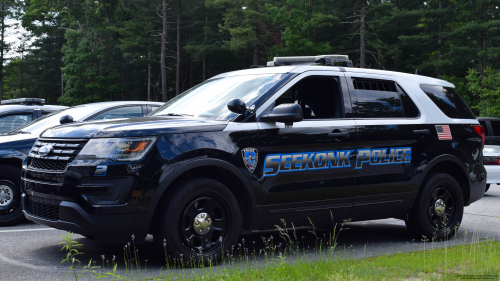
307,167
393,141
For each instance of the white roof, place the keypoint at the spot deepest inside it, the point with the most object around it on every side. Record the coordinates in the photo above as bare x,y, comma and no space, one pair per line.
419,79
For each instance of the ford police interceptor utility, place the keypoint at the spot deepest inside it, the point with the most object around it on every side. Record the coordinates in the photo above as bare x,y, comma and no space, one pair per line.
301,139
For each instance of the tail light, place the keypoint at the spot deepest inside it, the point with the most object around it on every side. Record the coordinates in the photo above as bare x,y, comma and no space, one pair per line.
480,131
491,160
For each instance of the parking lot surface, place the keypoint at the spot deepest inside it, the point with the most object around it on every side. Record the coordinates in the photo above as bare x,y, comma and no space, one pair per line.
32,252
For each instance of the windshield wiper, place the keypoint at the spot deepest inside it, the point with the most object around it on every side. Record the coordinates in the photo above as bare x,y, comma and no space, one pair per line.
174,114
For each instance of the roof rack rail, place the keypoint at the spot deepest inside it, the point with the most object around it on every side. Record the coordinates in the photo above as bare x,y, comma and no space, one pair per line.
329,60
25,101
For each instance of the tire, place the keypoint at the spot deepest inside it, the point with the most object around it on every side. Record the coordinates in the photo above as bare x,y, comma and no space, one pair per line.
429,218
11,211
208,201
487,187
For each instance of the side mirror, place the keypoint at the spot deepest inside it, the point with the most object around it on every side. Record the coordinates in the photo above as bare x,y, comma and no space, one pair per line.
285,113
66,119
237,106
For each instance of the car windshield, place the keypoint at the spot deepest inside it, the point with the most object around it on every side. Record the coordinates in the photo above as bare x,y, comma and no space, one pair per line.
39,125
209,99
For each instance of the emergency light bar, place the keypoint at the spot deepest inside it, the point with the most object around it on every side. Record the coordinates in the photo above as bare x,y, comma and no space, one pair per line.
310,60
27,101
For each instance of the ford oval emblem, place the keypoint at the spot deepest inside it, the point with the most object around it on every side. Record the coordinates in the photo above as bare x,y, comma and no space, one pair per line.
45,150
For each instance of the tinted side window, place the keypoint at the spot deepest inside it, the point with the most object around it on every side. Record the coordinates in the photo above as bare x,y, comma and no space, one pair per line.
319,96
483,123
11,122
377,99
122,112
449,101
495,125
409,107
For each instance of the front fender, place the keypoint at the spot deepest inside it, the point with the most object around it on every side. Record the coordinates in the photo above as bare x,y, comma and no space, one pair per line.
169,176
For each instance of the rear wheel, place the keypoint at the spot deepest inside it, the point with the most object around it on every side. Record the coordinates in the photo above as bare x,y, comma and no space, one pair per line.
10,195
200,220
487,187
438,210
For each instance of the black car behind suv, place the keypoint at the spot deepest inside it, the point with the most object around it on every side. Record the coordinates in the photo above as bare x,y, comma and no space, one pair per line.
243,150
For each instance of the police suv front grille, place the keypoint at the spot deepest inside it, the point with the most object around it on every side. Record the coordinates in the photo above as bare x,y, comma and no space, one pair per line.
44,164
43,207
63,153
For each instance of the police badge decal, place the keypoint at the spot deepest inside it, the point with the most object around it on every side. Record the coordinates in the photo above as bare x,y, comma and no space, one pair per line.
250,158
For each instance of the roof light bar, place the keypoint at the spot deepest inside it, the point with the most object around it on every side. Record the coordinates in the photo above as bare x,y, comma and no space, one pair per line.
310,60
24,101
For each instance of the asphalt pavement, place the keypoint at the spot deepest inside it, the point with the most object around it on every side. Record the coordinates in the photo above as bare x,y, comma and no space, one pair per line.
32,252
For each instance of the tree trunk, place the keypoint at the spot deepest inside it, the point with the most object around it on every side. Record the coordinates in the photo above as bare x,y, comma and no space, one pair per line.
21,84
163,49
62,84
362,43
255,55
2,46
178,67
190,73
440,39
204,76
149,75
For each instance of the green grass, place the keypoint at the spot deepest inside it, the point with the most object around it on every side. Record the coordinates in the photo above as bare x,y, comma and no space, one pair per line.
324,261
453,263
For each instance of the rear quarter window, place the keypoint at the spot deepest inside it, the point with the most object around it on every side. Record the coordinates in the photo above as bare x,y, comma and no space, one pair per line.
449,101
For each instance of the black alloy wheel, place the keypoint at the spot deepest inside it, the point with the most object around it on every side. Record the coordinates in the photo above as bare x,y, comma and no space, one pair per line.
441,207
203,224
438,208
198,220
10,196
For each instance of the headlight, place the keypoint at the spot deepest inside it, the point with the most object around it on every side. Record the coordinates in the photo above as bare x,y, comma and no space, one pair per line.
125,149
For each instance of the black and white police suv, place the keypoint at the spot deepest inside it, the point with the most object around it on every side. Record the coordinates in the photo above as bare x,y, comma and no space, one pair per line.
241,151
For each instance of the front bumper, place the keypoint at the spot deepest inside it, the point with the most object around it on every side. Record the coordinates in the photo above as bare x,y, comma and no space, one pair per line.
116,228
493,174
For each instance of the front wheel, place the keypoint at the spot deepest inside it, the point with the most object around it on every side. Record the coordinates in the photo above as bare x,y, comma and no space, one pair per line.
438,210
201,219
10,196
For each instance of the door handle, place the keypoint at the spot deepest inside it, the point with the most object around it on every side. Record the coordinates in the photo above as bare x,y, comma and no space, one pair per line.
338,135
421,132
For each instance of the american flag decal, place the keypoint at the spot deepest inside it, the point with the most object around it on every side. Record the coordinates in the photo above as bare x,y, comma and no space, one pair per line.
444,132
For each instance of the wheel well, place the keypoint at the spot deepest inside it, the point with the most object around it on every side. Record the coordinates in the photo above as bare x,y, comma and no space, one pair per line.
228,179
457,172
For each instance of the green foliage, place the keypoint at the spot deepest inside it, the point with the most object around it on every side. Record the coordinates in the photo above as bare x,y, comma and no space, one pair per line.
109,50
301,24
486,90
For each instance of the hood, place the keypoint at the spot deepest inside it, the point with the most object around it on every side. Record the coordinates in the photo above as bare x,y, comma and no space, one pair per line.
135,127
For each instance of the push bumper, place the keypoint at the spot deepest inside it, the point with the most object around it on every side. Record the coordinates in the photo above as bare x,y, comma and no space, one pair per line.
102,227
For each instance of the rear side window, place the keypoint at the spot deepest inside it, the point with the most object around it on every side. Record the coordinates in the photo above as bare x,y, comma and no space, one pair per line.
122,112
377,99
496,128
449,101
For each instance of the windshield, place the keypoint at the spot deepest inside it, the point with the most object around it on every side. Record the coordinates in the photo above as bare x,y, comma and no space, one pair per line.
39,125
209,99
